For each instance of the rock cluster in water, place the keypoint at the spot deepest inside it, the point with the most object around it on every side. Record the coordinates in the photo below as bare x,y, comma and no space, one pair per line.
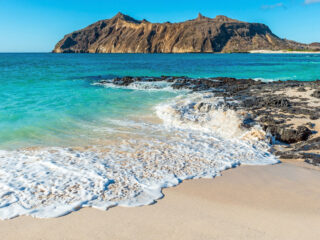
267,104
123,34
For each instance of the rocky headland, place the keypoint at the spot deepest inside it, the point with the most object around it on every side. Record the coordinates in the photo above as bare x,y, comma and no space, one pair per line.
124,34
288,111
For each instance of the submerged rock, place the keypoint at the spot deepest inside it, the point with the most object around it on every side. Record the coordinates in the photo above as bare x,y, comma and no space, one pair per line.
125,81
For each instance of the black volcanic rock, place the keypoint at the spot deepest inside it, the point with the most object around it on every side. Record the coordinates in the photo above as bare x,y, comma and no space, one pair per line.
288,135
316,94
123,34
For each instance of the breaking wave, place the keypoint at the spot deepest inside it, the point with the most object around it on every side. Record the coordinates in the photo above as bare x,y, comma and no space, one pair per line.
139,85
197,137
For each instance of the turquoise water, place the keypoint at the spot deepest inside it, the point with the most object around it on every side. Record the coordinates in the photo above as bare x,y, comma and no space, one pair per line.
67,143
49,99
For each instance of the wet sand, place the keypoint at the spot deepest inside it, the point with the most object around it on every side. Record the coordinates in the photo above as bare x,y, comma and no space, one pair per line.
249,202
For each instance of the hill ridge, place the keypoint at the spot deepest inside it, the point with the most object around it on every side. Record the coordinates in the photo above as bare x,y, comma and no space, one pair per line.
124,34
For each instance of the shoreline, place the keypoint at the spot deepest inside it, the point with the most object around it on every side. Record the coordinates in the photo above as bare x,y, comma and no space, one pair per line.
286,111
178,53
172,53
283,52
249,202
238,116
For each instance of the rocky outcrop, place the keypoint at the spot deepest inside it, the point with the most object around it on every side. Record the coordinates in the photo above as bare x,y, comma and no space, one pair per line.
315,46
123,34
316,94
290,121
288,135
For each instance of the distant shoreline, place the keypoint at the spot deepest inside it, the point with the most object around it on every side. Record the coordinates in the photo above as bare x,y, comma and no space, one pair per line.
250,52
284,51
166,53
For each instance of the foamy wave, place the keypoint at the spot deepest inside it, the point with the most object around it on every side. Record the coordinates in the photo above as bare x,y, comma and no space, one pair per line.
274,79
200,140
205,112
53,182
141,85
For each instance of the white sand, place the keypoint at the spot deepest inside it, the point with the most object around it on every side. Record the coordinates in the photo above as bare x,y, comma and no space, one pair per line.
252,202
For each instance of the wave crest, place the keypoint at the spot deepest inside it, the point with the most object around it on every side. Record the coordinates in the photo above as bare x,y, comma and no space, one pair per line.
201,139
205,112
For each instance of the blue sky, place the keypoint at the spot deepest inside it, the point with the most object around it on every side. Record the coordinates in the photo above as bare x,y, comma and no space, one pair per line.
36,25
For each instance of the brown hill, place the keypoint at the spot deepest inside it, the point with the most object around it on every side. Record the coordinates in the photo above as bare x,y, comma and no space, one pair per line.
123,34
315,44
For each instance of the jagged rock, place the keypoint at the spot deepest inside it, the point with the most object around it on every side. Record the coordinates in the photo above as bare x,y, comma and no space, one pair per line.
123,34
288,154
248,123
275,102
289,135
203,107
316,94
312,158
269,120
125,81
313,144
266,101
314,116
301,89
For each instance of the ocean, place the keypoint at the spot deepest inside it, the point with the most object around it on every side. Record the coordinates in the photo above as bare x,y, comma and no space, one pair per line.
68,142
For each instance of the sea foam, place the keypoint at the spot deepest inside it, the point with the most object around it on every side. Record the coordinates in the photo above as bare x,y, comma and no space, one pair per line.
198,138
139,85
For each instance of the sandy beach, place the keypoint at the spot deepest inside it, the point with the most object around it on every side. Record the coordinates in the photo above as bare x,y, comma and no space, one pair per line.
249,202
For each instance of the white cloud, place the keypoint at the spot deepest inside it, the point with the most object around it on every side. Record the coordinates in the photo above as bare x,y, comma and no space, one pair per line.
277,5
311,1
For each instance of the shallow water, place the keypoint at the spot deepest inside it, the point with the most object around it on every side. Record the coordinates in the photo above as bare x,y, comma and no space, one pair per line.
49,99
67,142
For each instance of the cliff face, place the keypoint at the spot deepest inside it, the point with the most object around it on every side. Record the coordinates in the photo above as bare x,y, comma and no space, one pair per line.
123,34
315,46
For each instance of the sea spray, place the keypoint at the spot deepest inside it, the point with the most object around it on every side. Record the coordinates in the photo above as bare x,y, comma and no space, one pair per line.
198,138
139,85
